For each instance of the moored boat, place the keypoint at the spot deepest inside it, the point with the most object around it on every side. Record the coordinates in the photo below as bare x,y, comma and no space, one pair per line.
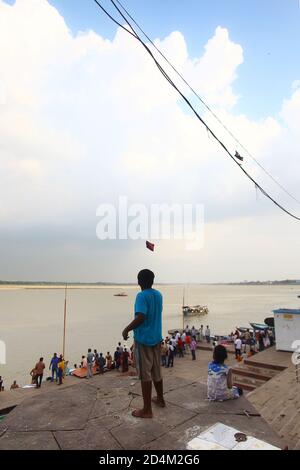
195,310
121,294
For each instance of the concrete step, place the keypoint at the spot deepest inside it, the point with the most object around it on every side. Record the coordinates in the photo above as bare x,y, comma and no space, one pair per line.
254,372
284,417
295,428
264,365
246,383
244,386
246,379
271,408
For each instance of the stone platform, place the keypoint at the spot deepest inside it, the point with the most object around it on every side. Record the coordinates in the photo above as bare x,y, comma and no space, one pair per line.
96,414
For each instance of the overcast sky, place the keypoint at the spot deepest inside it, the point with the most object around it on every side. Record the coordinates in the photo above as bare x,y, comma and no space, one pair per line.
85,117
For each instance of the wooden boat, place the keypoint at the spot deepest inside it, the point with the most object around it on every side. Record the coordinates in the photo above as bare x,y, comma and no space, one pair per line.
259,327
195,310
191,310
81,372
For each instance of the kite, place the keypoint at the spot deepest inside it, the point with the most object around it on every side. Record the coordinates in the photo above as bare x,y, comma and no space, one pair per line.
150,246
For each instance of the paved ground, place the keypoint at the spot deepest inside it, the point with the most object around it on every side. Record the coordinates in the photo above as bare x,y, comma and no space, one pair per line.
272,357
278,401
96,413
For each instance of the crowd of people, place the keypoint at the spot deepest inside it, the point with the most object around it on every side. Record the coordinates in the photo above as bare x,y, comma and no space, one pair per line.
251,342
93,362
96,362
178,345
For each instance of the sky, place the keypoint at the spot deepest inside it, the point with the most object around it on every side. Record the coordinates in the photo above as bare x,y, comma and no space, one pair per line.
85,118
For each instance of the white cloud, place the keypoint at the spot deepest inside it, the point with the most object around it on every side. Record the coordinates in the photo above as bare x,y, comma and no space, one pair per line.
84,119
214,73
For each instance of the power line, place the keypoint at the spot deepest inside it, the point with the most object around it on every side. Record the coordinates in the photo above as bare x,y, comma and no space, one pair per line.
136,36
113,19
206,105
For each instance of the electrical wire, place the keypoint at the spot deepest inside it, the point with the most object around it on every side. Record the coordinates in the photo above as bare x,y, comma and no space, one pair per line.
207,106
113,19
134,34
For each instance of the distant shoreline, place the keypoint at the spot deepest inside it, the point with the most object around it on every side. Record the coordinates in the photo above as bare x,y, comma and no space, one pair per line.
16,285
63,286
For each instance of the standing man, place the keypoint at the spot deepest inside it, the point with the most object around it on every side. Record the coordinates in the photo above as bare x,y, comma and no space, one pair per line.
61,369
117,357
247,340
101,363
39,367
171,354
147,327
90,364
201,333
54,367
238,347
207,334
193,347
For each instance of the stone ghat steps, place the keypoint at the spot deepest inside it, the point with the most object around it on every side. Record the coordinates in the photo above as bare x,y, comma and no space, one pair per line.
283,410
264,365
254,372
278,402
250,375
289,424
284,419
247,383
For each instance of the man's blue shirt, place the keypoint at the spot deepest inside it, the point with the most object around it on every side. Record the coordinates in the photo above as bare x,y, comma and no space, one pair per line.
150,303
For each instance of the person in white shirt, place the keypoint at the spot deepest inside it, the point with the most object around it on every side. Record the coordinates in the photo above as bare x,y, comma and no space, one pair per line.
170,355
177,335
183,337
207,334
201,333
238,347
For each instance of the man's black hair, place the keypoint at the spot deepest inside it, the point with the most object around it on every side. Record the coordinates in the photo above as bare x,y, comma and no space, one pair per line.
220,354
146,278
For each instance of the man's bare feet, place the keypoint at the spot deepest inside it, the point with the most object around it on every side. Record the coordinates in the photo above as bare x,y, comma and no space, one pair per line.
158,402
141,414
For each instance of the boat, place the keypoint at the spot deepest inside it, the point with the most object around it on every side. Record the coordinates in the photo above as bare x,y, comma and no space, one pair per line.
260,327
189,310
243,329
121,294
81,372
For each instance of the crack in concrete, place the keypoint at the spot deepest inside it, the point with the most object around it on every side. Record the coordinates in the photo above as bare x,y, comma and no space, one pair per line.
115,438
3,432
57,442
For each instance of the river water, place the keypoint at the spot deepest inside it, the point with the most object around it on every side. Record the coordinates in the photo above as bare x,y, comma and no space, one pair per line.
32,318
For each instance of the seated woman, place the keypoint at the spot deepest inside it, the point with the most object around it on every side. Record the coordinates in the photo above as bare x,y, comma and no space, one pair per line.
219,381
